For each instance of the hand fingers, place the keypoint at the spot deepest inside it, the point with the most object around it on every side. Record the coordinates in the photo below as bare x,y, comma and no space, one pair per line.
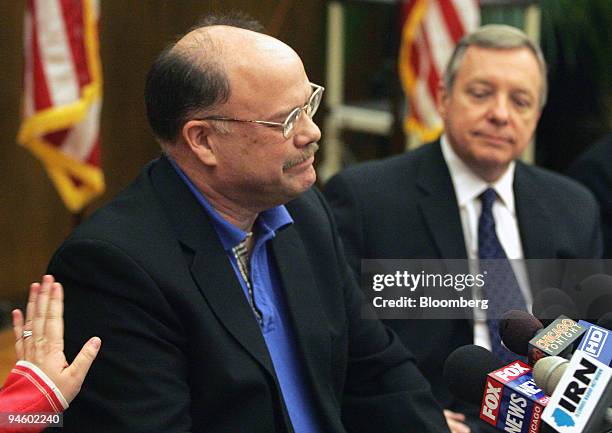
457,426
18,332
453,419
54,325
454,415
40,307
30,308
80,366
40,318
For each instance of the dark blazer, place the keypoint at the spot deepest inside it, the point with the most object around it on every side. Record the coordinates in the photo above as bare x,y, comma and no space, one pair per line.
181,350
405,207
594,170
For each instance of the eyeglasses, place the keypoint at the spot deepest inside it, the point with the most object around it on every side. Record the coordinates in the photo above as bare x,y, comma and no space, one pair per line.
288,125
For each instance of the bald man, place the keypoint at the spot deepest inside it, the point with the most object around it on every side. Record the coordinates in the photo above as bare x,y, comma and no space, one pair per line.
216,279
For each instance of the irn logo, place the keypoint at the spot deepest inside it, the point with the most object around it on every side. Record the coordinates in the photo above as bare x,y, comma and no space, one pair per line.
594,341
574,391
562,418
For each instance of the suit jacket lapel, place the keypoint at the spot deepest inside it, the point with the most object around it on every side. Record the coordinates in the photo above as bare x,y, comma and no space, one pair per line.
535,226
438,205
304,307
210,267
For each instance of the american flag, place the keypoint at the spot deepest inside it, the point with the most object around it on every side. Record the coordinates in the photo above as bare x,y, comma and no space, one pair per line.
63,96
431,29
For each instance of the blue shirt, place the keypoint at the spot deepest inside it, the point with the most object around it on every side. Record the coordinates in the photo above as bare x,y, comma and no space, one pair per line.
270,300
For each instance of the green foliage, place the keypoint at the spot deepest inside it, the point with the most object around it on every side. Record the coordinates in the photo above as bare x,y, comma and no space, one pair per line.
576,34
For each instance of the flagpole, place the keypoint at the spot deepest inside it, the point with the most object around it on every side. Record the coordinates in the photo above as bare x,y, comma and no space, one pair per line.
77,218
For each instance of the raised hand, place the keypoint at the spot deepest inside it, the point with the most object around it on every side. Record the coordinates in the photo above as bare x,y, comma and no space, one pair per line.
40,339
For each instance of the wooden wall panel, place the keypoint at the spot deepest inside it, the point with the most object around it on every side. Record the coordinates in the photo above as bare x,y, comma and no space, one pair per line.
33,221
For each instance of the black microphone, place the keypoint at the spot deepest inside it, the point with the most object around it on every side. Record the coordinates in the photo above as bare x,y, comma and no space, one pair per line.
594,296
466,369
511,402
551,303
605,321
516,328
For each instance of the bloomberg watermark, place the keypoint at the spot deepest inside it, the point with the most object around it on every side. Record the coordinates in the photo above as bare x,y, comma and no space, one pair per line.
460,289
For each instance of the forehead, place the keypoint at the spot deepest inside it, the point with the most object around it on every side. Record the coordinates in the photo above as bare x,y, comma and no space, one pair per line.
270,85
515,67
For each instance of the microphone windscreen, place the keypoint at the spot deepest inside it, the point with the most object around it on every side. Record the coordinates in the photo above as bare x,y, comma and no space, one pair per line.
550,301
599,307
516,328
548,371
548,315
591,295
466,369
605,321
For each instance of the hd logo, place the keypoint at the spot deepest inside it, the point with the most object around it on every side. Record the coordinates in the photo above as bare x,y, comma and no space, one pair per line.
594,341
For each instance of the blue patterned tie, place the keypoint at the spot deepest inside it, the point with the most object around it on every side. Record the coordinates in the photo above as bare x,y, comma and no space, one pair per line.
501,287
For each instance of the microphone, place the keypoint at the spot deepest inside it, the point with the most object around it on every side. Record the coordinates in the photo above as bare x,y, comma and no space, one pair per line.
557,339
580,390
516,328
512,402
465,371
547,372
594,296
551,303
605,321
523,334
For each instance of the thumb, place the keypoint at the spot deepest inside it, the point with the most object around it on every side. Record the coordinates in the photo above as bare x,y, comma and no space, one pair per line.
80,366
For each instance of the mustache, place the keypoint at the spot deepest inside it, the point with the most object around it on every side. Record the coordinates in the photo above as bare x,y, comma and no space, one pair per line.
309,151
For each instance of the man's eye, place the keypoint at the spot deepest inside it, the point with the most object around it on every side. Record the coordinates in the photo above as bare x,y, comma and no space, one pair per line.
522,103
479,94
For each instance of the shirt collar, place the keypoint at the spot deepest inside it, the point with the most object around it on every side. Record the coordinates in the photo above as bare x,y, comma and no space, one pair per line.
469,186
268,222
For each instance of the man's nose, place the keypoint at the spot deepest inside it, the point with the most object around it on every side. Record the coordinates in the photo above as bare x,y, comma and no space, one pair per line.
500,113
306,131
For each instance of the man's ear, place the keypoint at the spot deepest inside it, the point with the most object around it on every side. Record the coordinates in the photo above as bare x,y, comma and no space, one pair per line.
197,135
442,99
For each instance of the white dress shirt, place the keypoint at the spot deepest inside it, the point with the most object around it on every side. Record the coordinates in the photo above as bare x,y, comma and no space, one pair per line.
468,188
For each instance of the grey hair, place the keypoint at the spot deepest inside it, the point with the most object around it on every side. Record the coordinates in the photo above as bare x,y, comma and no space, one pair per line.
495,36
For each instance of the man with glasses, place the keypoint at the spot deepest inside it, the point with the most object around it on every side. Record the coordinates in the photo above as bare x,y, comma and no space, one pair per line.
217,280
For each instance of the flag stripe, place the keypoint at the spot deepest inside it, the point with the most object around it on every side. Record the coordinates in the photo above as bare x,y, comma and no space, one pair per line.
436,35
94,156
75,30
82,136
454,26
432,75
62,86
54,52
469,13
41,91
430,31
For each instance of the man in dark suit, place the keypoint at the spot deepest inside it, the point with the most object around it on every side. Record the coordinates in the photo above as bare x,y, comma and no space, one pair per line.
217,280
428,203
